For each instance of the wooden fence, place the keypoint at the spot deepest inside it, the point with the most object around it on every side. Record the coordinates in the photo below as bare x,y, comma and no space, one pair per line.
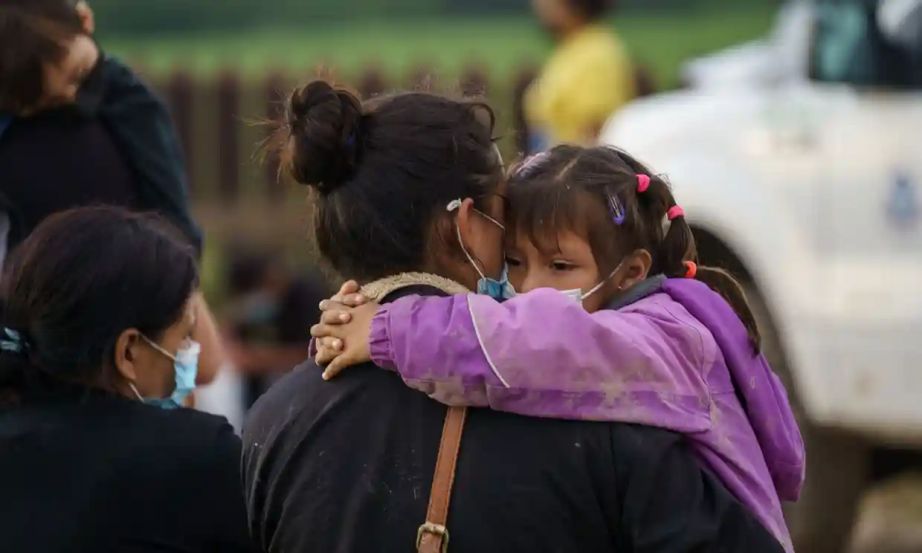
221,121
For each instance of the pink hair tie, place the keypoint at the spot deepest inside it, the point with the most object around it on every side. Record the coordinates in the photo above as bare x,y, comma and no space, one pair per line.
643,183
675,212
691,269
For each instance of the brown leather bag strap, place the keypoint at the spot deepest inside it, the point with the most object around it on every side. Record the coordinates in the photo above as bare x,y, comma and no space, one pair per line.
432,536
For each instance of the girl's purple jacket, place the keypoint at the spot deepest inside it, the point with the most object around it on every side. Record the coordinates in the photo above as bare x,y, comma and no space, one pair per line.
678,359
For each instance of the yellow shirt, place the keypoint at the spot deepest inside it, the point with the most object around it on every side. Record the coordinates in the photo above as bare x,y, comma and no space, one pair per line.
587,78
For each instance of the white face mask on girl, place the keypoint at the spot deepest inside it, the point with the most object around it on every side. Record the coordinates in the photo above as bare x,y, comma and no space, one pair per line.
577,294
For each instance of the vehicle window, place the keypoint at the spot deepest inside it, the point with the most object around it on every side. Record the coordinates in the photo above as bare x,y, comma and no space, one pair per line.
867,43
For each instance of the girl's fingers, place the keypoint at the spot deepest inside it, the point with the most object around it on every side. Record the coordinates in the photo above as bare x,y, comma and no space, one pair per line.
335,367
330,343
321,357
333,332
324,356
353,300
348,287
333,304
335,317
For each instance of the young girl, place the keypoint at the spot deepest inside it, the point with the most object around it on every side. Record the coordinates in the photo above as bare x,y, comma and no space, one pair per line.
636,336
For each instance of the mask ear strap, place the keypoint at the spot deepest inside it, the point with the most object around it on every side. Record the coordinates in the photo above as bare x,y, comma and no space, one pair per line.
456,204
605,280
136,392
466,254
158,347
452,206
501,226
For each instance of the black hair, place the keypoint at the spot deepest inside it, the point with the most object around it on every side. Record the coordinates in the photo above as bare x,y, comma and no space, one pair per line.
32,33
585,190
384,170
77,282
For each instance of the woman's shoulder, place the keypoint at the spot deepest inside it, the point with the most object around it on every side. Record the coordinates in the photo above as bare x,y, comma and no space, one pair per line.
143,428
196,443
182,424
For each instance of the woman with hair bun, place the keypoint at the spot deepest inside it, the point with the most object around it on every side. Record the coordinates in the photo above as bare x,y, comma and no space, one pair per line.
408,195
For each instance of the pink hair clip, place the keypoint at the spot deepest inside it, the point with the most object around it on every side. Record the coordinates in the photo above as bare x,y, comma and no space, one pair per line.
675,212
643,183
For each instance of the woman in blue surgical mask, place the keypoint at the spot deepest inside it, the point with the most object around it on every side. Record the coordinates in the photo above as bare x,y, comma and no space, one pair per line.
96,361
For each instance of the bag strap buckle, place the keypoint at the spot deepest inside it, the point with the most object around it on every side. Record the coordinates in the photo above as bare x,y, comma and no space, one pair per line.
439,532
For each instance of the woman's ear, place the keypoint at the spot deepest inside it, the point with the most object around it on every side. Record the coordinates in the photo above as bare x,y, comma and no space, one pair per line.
463,214
126,354
87,18
636,268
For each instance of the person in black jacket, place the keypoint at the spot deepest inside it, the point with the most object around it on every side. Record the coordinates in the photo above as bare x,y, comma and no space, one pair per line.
409,201
79,128
96,357
56,83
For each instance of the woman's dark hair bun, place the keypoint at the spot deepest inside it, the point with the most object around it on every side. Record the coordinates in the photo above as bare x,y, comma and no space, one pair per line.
325,135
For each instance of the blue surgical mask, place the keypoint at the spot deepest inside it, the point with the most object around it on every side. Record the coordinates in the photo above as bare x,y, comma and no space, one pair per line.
500,289
185,369
497,289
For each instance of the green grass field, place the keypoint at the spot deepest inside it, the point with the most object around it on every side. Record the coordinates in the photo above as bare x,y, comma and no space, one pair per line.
662,42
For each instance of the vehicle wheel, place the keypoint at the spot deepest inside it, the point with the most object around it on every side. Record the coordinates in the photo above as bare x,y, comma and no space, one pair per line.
837,463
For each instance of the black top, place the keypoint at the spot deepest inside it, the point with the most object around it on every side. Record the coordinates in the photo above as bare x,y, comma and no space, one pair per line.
98,473
346,466
115,146
58,160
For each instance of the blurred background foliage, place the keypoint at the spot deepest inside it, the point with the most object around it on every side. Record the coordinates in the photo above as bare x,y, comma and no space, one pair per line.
254,36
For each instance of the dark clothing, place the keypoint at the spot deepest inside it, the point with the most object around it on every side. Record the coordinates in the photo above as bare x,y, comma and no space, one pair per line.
116,146
143,130
98,473
58,160
347,467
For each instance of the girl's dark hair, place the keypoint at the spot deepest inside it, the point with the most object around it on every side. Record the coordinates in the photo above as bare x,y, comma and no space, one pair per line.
384,170
585,190
32,33
77,282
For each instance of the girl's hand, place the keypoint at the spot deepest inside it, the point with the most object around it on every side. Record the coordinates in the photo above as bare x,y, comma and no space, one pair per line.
329,347
348,339
348,295
344,329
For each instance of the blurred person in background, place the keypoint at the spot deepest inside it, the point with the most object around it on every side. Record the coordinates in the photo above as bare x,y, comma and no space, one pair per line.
271,309
78,127
96,356
587,78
